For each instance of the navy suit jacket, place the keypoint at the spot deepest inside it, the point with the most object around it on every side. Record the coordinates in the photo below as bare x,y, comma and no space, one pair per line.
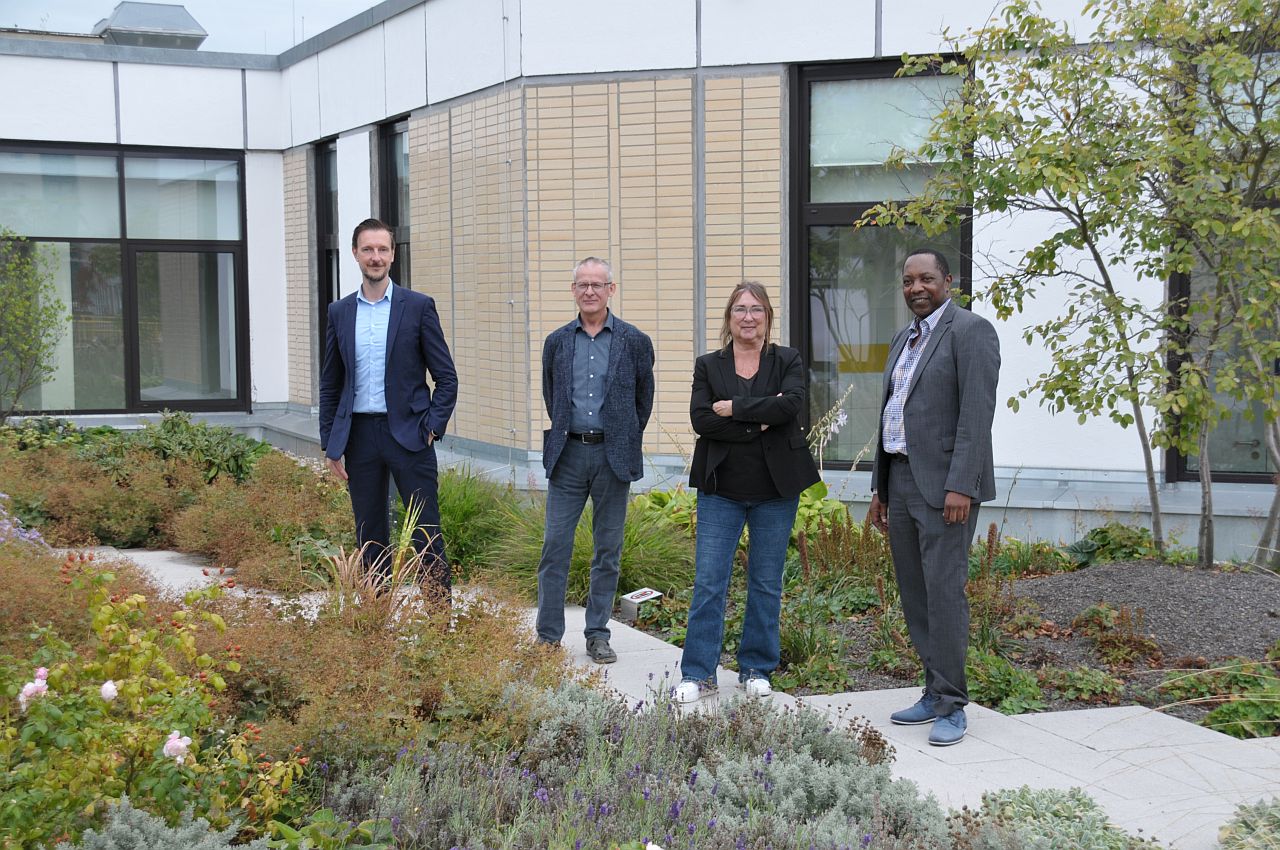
950,404
415,346
628,397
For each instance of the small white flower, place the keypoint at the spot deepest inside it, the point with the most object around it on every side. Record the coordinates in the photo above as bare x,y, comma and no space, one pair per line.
109,690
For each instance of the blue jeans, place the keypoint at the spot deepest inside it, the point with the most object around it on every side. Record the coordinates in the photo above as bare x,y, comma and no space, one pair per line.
720,523
581,471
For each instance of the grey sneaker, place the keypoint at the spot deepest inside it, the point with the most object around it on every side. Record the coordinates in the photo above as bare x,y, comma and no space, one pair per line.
600,651
918,714
948,730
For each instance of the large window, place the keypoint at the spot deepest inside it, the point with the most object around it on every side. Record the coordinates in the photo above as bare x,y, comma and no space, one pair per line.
848,296
146,250
393,187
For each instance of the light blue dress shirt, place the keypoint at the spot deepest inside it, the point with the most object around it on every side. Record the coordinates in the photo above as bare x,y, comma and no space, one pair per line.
372,320
892,421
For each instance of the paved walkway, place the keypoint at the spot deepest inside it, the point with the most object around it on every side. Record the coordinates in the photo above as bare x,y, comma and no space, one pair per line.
1154,775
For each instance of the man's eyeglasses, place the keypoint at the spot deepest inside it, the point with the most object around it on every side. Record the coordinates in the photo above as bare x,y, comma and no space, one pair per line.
743,310
590,287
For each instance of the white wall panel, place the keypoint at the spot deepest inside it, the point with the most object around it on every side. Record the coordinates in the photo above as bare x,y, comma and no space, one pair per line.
355,201
62,100
916,26
405,65
351,90
585,36
758,31
1035,436
267,113
471,44
171,105
264,213
302,88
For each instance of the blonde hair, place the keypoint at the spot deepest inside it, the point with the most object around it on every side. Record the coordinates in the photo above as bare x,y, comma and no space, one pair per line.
753,288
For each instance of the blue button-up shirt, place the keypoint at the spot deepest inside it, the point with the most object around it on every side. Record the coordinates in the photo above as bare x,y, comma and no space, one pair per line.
892,422
590,362
372,320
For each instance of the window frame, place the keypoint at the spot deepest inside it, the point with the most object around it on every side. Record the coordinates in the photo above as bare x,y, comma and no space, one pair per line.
133,402
805,214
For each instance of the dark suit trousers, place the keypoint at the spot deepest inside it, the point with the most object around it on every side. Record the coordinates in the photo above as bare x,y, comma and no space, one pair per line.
371,455
931,562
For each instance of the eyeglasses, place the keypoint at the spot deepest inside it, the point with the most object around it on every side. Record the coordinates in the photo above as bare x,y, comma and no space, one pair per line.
741,310
590,287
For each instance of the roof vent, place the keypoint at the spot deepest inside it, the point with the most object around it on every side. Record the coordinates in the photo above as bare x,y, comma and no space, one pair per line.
151,25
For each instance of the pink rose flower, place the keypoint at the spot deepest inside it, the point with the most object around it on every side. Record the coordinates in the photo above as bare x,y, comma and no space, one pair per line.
42,673
30,691
177,747
109,690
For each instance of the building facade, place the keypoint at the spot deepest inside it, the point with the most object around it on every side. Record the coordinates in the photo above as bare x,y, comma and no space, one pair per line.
197,208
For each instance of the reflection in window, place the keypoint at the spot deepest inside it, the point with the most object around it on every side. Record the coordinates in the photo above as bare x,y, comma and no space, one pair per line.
59,195
856,124
855,308
182,198
186,325
89,358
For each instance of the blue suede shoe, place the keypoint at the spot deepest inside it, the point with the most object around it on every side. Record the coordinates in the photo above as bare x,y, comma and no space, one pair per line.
918,714
949,730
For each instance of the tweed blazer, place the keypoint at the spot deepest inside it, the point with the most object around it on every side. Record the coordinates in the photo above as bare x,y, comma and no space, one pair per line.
628,396
780,400
948,411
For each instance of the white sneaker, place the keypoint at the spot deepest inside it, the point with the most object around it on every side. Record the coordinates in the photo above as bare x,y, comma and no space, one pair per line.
690,691
758,688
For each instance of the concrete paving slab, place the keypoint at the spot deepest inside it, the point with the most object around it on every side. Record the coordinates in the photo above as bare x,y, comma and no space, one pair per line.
1121,728
176,573
1206,767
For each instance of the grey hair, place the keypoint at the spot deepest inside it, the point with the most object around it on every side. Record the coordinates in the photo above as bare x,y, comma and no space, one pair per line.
594,261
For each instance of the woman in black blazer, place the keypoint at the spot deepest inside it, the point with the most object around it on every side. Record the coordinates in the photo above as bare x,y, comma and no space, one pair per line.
750,465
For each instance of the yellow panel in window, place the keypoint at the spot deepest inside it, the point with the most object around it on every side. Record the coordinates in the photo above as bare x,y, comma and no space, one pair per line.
863,358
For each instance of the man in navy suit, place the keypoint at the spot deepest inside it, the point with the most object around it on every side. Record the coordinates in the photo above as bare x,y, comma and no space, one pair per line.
933,468
597,384
377,412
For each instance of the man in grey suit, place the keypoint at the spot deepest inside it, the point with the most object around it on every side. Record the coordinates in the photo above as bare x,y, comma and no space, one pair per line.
597,384
933,467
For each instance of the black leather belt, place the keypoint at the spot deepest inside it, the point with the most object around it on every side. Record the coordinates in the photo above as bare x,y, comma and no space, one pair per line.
899,458
589,439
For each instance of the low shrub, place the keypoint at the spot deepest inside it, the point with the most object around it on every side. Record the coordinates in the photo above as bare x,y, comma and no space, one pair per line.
1253,827
128,828
1082,683
654,553
1245,695
1050,819
997,684
74,501
471,515
1114,541
91,724
591,772
261,527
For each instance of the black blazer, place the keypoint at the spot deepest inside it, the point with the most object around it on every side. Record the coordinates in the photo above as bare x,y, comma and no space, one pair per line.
786,452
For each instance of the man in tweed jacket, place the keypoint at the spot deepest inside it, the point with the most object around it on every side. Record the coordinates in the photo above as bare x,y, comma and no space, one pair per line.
597,384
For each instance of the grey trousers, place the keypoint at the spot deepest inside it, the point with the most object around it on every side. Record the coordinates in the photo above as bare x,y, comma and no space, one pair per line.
931,562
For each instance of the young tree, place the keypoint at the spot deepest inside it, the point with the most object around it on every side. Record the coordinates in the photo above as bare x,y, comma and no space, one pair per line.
32,320
1144,153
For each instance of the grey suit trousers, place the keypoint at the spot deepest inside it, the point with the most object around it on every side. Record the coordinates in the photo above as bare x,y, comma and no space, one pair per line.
931,560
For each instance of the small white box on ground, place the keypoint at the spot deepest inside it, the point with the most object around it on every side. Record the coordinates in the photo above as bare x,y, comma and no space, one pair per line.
631,602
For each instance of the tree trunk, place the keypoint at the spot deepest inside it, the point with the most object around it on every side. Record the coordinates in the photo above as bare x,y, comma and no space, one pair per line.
1153,487
1267,554
1204,544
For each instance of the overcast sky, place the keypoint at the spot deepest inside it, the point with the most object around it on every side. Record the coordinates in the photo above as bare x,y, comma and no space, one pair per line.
234,26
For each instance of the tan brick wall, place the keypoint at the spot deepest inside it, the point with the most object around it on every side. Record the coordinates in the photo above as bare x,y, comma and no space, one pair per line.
744,176
467,173
611,173
298,215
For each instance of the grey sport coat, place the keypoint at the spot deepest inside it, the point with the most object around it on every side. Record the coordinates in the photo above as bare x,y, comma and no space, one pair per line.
628,397
948,412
